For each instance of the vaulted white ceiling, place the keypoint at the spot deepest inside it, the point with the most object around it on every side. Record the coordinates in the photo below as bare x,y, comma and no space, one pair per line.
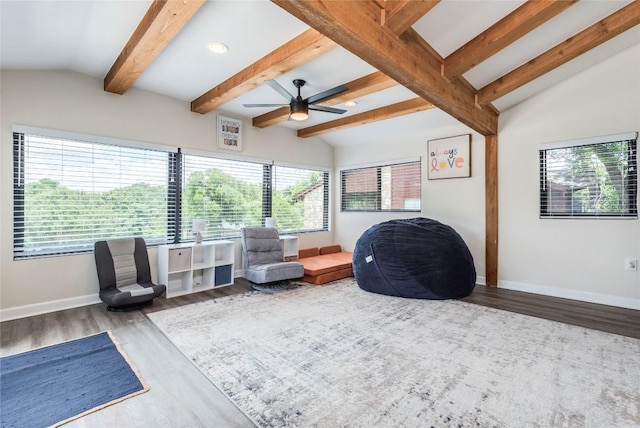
87,37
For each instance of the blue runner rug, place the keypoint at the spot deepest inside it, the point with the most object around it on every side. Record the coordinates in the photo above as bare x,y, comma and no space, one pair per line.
56,384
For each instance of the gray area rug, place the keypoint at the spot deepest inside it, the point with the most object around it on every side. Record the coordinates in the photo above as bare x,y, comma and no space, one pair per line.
337,356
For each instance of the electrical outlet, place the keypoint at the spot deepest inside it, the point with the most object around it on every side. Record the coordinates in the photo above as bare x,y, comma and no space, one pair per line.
630,264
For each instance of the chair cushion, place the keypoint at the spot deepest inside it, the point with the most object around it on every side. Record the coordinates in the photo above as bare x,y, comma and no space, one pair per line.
114,297
319,265
330,249
262,245
308,252
136,289
273,272
124,263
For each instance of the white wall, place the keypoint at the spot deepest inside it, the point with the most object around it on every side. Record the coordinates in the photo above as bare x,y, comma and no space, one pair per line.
74,102
457,202
577,259
582,259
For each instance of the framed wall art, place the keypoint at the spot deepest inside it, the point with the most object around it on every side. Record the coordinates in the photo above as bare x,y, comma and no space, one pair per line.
449,157
229,133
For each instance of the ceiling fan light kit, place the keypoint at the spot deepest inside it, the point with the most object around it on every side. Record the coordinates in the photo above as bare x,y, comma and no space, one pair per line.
299,108
299,111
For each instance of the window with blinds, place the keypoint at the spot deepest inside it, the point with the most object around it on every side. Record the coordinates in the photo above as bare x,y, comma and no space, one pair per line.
228,194
69,193
389,187
71,190
300,199
596,177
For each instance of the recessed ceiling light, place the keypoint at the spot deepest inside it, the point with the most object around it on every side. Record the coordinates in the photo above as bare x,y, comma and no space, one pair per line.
350,104
218,47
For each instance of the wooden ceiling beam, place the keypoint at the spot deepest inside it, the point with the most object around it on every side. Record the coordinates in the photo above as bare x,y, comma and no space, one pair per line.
354,26
366,85
398,109
413,34
400,15
500,35
296,52
160,24
611,26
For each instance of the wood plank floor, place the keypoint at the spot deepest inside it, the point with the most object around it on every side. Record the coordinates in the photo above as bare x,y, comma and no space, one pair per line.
181,396
625,322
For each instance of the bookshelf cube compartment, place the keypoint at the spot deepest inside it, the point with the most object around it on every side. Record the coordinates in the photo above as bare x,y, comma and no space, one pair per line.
179,259
289,245
224,254
224,275
178,284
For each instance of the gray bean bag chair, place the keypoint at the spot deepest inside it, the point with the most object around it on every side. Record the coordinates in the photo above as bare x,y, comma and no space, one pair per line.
417,258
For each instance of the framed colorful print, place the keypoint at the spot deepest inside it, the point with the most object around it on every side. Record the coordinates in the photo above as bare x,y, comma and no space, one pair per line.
229,133
449,157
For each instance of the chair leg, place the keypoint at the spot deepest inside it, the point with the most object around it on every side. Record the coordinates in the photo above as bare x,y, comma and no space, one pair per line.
273,287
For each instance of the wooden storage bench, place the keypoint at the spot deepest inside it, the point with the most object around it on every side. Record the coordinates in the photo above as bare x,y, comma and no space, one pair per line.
325,264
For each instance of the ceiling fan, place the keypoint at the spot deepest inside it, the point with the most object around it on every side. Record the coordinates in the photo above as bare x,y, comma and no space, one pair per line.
299,108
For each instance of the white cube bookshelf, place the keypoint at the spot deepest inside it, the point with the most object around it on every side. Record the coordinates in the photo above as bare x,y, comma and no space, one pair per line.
189,268
289,247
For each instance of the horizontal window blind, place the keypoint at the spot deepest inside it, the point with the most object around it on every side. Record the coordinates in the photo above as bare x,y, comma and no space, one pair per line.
228,194
392,187
71,190
70,193
300,199
590,180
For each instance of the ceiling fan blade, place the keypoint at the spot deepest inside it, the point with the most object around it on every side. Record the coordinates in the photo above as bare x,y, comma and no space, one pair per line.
264,105
327,109
282,91
326,94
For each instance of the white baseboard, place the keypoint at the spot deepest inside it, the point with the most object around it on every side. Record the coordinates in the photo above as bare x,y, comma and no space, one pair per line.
57,305
585,296
46,307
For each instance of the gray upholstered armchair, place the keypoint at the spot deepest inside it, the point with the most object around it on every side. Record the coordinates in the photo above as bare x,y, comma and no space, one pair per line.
124,274
262,257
